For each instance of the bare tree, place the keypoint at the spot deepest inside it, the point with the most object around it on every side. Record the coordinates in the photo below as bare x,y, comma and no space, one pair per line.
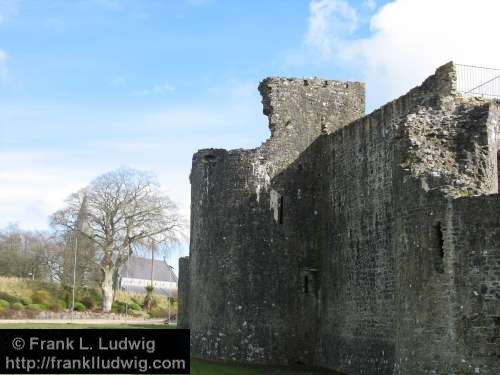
118,212
36,255
87,270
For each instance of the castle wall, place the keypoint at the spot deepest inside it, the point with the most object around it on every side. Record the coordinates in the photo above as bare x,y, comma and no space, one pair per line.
450,154
335,243
242,268
475,227
183,293
345,224
356,332
233,264
448,300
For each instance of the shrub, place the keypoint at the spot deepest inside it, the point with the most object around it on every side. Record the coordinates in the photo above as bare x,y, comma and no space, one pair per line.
9,298
42,296
5,304
119,307
26,301
89,302
35,307
134,306
15,286
80,306
17,306
158,312
62,304
91,298
56,307
136,298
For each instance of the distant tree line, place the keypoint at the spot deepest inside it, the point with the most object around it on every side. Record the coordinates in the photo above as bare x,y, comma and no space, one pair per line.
45,256
30,254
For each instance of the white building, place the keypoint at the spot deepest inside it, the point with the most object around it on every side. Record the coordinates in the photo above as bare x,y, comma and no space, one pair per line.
135,276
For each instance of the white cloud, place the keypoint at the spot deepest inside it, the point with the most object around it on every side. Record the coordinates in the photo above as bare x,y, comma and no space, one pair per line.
409,39
29,194
155,90
327,19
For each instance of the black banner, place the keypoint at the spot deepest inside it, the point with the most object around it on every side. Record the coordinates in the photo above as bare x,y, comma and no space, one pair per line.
94,351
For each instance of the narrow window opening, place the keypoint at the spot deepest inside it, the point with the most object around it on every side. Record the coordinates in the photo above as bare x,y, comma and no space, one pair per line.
276,206
306,284
439,261
280,210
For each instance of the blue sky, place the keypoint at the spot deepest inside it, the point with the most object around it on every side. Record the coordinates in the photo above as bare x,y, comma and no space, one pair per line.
87,86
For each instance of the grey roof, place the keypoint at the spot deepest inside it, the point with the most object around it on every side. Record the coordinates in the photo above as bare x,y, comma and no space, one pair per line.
140,268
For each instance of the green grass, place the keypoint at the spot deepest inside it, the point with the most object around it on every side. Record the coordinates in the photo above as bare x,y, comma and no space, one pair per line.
83,326
198,367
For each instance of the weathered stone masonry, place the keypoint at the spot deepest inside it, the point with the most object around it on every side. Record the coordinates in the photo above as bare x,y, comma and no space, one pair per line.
369,245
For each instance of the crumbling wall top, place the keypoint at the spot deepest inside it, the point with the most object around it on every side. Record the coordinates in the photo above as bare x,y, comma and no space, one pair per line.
318,105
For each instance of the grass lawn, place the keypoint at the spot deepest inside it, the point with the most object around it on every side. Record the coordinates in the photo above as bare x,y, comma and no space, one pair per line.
210,368
84,326
198,367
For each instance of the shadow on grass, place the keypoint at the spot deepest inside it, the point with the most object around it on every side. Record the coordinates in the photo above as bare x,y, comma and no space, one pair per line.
201,367
198,367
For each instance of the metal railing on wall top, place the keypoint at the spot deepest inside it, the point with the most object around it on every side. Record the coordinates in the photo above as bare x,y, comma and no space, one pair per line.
478,81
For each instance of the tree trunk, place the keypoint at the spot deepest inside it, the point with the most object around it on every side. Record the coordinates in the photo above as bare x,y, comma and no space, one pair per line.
107,288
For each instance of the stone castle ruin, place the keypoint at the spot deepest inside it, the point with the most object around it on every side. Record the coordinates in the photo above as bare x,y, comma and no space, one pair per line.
367,244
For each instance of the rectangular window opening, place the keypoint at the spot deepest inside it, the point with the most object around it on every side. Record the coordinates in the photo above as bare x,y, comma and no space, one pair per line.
280,210
439,245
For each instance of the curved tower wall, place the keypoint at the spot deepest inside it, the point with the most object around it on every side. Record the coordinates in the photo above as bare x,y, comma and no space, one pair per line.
245,261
